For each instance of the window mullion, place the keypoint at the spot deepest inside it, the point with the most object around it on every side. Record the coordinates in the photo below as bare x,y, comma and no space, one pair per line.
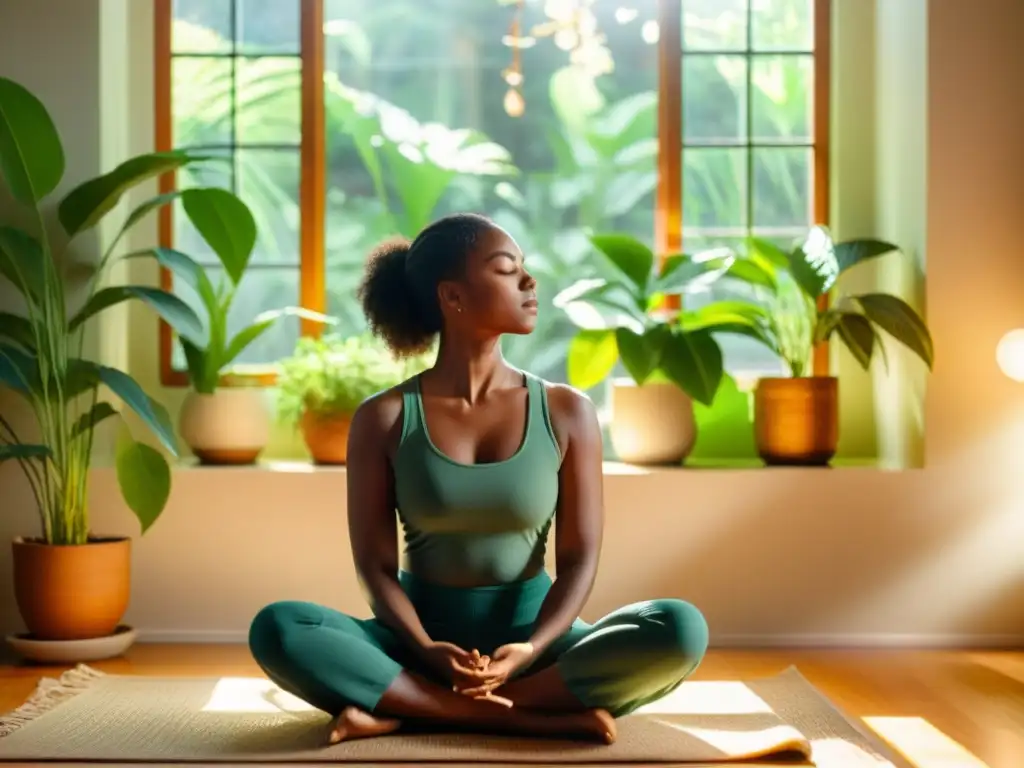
312,186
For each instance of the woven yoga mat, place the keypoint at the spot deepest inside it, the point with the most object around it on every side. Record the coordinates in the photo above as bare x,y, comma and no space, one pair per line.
90,716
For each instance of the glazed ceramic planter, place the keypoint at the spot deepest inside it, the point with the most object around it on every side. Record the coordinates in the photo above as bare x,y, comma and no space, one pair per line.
796,420
652,423
230,426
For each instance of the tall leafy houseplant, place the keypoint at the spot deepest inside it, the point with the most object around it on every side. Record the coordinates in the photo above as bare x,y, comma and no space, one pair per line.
41,359
324,381
226,425
622,317
796,417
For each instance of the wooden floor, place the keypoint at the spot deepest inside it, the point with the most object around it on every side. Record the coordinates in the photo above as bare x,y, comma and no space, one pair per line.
942,709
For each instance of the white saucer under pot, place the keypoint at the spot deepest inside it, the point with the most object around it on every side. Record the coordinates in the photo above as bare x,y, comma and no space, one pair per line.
73,651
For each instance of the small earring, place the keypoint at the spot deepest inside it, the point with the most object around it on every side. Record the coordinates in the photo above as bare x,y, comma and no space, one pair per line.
458,309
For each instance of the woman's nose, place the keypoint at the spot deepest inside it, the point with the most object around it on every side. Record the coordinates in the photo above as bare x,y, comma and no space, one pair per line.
529,281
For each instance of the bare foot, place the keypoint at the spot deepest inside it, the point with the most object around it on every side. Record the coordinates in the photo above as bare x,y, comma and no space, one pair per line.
599,723
355,723
592,725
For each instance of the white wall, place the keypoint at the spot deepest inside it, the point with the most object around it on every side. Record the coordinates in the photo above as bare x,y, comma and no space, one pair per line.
770,555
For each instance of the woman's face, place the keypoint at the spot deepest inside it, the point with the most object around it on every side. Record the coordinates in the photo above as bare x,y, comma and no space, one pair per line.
497,295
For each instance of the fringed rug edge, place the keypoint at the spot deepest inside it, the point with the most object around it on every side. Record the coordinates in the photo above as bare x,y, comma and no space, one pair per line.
49,693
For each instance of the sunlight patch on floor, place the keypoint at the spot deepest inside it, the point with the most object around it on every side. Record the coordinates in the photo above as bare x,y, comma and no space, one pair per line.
245,695
924,745
700,697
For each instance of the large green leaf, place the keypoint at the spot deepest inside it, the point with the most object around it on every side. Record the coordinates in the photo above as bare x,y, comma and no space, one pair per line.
88,420
185,267
23,451
898,319
732,316
853,252
767,253
18,370
753,272
858,335
596,304
630,256
21,262
176,312
225,223
592,356
693,361
682,274
144,477
813,263
90,201
153,415
148,207
31,155
638,352
17,329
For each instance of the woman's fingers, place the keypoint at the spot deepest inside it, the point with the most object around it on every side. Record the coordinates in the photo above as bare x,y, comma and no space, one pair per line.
497,699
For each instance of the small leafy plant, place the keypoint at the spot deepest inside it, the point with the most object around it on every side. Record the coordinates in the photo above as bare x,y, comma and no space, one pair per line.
619,318
786,315
207,360
41,350
332,375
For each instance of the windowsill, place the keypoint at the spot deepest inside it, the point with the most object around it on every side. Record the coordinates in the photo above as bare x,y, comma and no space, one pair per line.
611,468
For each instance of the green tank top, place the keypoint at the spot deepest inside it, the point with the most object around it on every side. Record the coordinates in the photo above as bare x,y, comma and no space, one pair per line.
476,524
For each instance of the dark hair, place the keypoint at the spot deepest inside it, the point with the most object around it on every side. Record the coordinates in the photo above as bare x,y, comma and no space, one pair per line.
399,289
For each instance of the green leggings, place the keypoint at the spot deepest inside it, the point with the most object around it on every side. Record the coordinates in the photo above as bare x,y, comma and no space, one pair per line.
630,657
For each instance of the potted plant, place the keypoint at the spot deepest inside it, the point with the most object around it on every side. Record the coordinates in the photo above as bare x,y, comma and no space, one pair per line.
621,317
224,419
324,381
71,583
796,417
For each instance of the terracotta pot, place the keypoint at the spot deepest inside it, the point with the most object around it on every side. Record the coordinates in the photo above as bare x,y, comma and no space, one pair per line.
72,592
230,426
651,424
796,420
326,436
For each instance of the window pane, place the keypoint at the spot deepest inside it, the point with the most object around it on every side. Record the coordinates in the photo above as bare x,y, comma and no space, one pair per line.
201,101
201,26
714,188
782,187
715,25
268,182
715,98
269,96
260,290
268,26
783,24
418,126
781,103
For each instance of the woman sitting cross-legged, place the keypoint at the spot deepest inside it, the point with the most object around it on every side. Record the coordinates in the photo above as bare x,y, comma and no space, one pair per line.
479,460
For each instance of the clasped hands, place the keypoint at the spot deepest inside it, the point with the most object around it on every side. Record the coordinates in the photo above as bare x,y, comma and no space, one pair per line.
479,676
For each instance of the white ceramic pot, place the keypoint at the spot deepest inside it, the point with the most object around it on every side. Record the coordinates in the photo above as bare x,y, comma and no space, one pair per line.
651,424
230,426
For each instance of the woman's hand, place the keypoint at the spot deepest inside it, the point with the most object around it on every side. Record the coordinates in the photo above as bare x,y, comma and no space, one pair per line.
498,668
448,661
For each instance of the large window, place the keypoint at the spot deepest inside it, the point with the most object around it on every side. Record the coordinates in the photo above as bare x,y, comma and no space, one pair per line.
687,123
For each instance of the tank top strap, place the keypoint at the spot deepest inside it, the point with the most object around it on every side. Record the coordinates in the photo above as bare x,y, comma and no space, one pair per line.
412,408
540,413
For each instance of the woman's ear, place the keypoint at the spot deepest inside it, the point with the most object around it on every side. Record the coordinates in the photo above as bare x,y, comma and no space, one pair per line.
449,296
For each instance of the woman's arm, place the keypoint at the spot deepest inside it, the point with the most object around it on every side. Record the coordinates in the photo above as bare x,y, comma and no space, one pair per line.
373,530
579,520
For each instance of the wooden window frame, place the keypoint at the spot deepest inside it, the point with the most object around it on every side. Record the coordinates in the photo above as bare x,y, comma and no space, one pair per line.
668,217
